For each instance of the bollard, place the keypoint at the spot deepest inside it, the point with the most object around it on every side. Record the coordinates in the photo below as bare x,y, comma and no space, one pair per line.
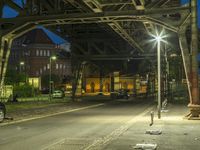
152,118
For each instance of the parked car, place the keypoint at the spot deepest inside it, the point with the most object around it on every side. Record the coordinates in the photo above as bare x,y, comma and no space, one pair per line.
2,112
123,93
58,94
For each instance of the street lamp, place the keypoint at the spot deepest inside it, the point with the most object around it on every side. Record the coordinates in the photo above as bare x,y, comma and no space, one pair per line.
50,69
158,38
21,63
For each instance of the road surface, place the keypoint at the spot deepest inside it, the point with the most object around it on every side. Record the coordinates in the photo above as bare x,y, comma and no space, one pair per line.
118,125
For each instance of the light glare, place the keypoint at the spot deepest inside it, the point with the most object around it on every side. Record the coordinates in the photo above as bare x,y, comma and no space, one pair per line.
21,63
158,38
53,57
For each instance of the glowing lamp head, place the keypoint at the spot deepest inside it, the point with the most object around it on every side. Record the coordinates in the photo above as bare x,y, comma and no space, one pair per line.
53,57
158,38
21,63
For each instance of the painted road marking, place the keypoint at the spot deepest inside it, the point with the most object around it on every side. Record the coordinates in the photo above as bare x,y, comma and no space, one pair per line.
61,141
100,143
54,114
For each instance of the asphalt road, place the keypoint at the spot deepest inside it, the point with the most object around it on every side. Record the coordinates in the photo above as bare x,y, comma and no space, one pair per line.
115,125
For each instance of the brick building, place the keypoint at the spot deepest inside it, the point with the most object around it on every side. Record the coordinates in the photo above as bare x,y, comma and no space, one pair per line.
31,55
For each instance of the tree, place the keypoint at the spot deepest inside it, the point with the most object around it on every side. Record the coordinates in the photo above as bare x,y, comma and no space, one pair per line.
25,90
45,80
67,79
14,78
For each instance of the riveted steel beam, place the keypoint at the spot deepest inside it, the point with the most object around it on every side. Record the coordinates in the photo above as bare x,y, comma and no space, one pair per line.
14,6
185,52
103,15
82,18
117,28
116,57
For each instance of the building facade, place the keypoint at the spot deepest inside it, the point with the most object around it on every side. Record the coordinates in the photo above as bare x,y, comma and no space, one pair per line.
134,84
31,54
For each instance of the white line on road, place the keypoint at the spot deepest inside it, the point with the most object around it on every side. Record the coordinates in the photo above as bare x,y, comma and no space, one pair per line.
61,141
49,115
100,143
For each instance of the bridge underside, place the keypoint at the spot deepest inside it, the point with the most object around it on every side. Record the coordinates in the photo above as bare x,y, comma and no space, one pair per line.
105,30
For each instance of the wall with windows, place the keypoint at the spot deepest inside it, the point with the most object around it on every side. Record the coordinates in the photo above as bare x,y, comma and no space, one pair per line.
35,55
133,84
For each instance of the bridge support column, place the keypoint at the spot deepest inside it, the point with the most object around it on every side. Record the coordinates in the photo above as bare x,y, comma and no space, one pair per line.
195,103
5,48
77,71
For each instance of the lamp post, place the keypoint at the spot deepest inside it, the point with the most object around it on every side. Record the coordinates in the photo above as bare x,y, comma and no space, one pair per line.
50,70
158,39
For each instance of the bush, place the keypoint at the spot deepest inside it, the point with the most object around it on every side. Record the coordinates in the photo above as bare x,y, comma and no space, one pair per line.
23,90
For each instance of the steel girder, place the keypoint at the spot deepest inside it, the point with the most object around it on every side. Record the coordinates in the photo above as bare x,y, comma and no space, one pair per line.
116,57
185,52
95,6
113,12
77,18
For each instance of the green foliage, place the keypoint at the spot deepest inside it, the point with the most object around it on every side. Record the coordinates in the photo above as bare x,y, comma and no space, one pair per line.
14,78
45,79
67,79
25,90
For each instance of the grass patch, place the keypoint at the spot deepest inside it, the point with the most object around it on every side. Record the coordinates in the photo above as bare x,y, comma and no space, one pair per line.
27,105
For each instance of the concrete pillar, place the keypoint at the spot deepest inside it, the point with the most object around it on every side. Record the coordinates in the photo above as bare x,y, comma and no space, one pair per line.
195,103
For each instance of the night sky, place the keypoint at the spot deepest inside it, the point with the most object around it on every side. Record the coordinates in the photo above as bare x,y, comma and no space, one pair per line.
186,1
10,13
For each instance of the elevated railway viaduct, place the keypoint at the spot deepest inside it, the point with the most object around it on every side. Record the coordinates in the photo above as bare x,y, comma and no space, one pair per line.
100,30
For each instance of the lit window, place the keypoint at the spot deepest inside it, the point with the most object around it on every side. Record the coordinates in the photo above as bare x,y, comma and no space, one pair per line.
37,52
41,52
60,66
44,52
45,68
40,70
56,66
48,53
48,66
